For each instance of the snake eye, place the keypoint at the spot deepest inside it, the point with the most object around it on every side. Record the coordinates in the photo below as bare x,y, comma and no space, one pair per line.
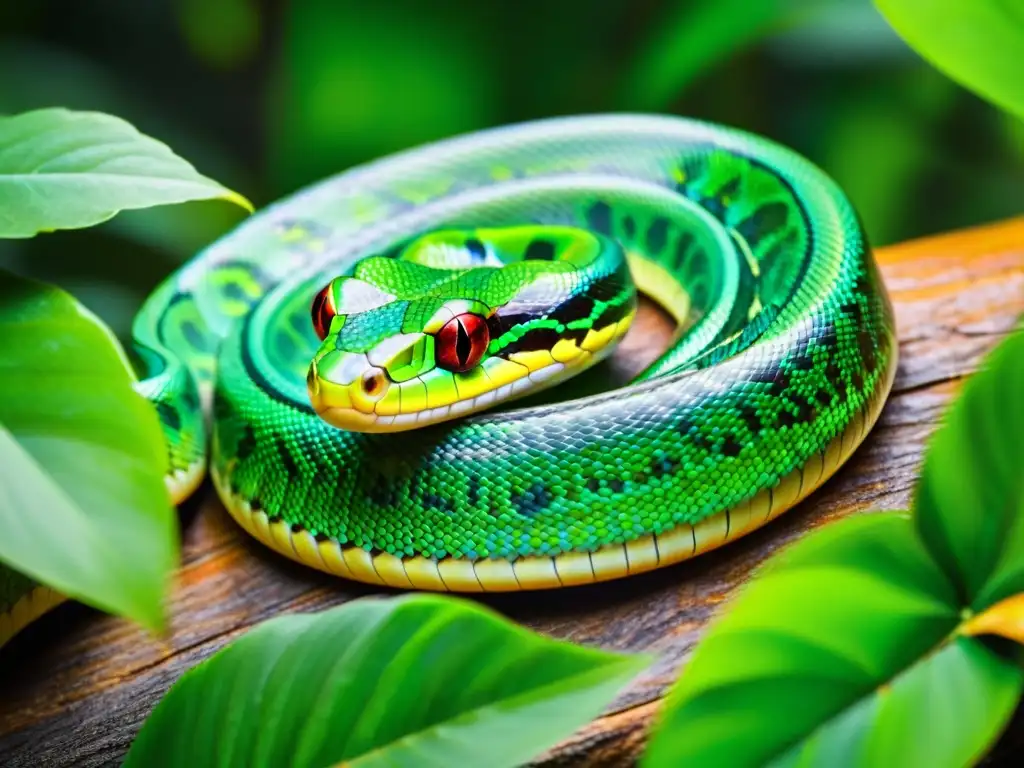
461,342
323,311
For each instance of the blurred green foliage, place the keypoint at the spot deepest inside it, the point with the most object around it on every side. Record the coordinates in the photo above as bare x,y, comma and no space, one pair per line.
268,96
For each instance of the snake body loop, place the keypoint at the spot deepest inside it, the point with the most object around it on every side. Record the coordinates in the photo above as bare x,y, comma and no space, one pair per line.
385,438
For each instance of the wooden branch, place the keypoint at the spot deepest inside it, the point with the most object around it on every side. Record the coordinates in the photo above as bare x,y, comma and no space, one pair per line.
76,686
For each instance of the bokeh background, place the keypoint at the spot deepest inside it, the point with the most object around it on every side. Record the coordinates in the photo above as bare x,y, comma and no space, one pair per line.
268,95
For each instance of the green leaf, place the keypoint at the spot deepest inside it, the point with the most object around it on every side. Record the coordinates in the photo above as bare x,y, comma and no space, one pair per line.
970,499
693,38
83,506
63,170
824,633
417,680
977,43
947,709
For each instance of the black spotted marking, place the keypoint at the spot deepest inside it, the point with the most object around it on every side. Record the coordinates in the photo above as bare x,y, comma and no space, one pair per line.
593,484
540,250
235,292
532,501
245,446
664,465
657,235
291,467
786,418
806,411
683,246
473,490
768,218
433,501
714,206
731,446
616,485
169,415
599,218
730,189
698,263
476,249
684,427
381,492
190,396
824,398
629,226
866,344
195,337
749,415
834,374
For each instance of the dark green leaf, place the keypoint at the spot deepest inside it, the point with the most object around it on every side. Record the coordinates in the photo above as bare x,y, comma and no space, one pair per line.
224,33
812,640
418,680
970,500
62,170
83,505
946,709
693,38
348,92
978,43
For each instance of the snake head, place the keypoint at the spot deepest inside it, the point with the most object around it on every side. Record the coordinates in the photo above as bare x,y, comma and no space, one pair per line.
406,345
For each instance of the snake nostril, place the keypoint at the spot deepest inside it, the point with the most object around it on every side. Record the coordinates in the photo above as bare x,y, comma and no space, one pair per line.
373,382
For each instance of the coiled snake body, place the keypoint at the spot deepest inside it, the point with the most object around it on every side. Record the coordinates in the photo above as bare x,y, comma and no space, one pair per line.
380,439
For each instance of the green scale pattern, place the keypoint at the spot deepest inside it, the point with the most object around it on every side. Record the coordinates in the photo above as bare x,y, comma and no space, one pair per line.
790,335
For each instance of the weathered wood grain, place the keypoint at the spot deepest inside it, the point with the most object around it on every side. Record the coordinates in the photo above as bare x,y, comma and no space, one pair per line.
76,686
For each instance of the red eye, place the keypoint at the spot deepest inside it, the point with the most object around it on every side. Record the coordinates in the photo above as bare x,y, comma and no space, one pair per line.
324,311
461,343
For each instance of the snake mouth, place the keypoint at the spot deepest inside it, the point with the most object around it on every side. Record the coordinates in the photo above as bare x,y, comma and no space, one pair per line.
368,405
350,393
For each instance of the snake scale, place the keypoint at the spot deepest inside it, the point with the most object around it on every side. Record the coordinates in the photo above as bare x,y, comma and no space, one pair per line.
362,358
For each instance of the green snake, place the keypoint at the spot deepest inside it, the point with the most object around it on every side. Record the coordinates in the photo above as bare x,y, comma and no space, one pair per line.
361,358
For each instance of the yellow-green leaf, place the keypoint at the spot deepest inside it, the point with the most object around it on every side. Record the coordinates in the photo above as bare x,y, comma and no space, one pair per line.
978,43
61,169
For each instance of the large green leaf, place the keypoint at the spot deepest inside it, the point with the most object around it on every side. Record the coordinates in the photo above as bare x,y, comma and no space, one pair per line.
61,170
830,657
83,507
970,500
978,43
411,681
